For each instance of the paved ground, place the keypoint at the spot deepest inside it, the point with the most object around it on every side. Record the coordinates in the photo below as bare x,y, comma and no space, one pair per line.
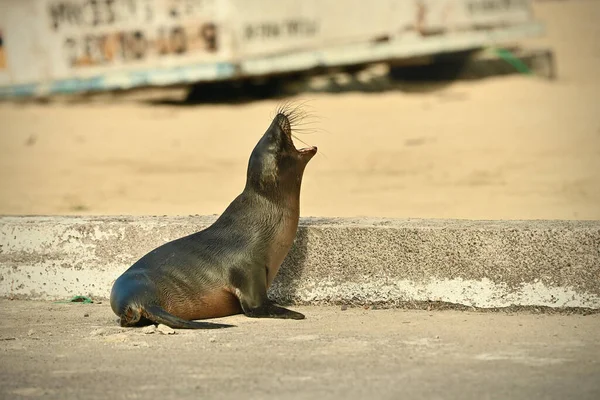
50,350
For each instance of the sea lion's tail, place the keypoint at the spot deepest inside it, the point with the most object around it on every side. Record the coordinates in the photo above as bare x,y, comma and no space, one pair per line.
160,316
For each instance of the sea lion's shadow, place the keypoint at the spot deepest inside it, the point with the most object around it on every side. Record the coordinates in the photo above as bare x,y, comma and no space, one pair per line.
287,282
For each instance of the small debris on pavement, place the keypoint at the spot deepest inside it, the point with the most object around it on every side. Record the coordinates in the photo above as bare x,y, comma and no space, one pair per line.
77,299
165,330
149,329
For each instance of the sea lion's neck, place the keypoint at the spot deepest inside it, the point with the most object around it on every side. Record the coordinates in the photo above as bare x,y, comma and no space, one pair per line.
283,194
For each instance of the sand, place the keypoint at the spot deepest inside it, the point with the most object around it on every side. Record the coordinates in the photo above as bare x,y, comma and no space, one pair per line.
502,148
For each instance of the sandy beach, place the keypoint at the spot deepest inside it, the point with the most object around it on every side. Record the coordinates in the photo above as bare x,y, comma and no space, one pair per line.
513,147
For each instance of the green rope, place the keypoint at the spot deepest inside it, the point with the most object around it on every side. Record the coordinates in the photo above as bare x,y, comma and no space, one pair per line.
78,299
513,60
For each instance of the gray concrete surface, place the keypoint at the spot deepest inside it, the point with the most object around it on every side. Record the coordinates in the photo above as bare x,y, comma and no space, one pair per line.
357,261
55,351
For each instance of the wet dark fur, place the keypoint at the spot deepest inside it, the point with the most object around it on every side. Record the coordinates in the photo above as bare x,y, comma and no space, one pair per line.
226,268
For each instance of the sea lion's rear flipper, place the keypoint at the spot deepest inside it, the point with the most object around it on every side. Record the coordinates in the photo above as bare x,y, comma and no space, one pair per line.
160,316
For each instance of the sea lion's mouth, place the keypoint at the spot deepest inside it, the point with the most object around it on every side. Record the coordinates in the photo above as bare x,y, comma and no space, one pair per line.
285,125
307,150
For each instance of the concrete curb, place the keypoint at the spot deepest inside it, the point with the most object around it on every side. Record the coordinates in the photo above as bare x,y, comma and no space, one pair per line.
484,264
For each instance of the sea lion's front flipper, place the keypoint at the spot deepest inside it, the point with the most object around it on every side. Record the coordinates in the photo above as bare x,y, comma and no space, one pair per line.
271,310
251,289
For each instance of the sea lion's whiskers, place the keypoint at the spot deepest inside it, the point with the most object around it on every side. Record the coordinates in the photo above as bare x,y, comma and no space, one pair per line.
301,141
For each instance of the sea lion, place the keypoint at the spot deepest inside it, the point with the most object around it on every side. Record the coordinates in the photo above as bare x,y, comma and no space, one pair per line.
226,268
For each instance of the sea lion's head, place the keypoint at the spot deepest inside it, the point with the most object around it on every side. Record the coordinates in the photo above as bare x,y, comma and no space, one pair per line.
276,166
